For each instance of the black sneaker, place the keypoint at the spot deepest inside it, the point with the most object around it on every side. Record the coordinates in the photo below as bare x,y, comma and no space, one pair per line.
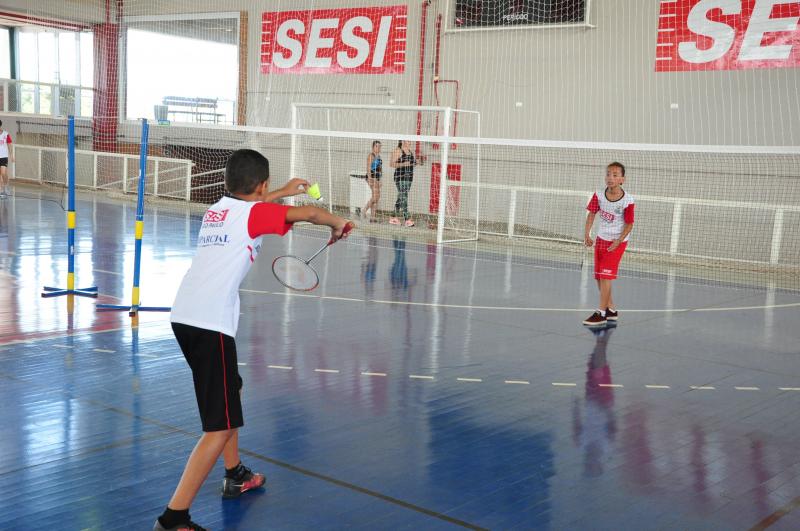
191,526
244,481
596,319
611,315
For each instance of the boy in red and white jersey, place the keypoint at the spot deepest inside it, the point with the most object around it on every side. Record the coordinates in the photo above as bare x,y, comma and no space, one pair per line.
615,209
205,317
6,155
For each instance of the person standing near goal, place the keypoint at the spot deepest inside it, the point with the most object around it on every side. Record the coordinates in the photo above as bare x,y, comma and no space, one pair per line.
403,162
6,155
616,222
374,174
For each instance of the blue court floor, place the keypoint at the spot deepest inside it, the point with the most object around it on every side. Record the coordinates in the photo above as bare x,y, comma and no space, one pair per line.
417,388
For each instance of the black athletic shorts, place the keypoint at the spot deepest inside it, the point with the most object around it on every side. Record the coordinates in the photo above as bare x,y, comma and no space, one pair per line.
4,161
212,358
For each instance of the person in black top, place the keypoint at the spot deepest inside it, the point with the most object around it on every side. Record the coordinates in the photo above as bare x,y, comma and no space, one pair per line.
403,162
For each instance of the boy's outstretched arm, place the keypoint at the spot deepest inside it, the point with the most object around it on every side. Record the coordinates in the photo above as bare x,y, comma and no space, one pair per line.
587,233
318,216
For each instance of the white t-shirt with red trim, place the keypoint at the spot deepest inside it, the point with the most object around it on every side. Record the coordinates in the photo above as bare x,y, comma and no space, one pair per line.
5,140
613,215
228,243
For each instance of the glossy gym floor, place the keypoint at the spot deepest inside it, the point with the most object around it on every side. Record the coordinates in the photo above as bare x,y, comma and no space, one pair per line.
417,388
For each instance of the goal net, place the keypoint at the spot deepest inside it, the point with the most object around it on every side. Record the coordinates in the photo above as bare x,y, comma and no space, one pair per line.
442,183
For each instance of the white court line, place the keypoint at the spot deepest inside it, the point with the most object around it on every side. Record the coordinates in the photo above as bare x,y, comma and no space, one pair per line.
281,367
789,388
522,382
469,379
107,351
563,384
519,308
373,374
610,385
333,371
747,388
703,387
108,272
62,346
658,387
241,364
420,377
147,355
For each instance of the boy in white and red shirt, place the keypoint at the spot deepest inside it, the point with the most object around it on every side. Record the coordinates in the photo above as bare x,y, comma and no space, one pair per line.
205,316
615,209
6,154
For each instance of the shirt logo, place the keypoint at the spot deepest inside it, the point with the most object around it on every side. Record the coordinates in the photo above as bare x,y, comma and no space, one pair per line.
213,239
212,216
608,216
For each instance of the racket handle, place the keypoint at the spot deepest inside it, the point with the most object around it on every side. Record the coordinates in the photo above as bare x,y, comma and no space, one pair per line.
347,228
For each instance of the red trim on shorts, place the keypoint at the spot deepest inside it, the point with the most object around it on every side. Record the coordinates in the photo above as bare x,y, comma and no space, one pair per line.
224,379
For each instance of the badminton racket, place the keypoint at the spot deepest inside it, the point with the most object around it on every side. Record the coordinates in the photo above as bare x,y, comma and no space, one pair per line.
297,273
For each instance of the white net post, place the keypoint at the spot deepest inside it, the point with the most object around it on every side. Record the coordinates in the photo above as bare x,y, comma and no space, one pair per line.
443,178
458,212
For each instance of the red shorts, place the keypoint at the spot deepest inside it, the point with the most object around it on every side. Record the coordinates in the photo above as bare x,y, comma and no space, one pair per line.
606,263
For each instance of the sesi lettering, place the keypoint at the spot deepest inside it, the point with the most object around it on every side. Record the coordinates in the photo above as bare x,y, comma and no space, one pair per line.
294,46
317,42
365,40
721,34
727,35
761,23
351,40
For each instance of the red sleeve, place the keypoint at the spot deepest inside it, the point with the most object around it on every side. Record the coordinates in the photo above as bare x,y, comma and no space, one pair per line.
594,204
267,218
628,214
9,139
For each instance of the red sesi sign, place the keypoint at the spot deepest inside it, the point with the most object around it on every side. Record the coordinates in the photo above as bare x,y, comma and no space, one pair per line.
727,35
364,40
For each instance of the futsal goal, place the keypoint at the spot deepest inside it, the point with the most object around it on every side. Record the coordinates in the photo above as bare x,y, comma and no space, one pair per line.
330,143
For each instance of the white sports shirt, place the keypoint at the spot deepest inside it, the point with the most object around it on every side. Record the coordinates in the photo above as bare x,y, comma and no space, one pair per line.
614,215
228,243
5,140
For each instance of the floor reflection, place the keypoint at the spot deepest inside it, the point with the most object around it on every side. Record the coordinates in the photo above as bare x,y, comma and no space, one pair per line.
594,419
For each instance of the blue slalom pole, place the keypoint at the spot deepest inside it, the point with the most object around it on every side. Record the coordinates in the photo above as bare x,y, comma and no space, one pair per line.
134,308
84,292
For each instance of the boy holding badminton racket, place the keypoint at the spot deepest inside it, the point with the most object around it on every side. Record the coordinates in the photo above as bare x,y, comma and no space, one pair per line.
205,317
615,208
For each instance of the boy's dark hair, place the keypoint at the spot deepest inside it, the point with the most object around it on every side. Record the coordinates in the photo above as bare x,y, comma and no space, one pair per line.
245,169
618,165
374,142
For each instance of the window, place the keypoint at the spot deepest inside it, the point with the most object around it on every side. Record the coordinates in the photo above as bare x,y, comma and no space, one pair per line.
5,54
183,70
471,14
53,66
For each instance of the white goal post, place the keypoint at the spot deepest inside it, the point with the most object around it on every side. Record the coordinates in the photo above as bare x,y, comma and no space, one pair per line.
455,220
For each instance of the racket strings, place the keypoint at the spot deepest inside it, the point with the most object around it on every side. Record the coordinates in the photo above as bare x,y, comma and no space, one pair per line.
295,273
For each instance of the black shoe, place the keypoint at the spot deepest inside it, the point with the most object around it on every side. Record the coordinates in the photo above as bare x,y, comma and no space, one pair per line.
244,481
191,526
611,315
596,319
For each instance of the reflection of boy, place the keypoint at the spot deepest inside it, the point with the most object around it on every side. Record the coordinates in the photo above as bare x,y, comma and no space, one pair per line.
595,428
